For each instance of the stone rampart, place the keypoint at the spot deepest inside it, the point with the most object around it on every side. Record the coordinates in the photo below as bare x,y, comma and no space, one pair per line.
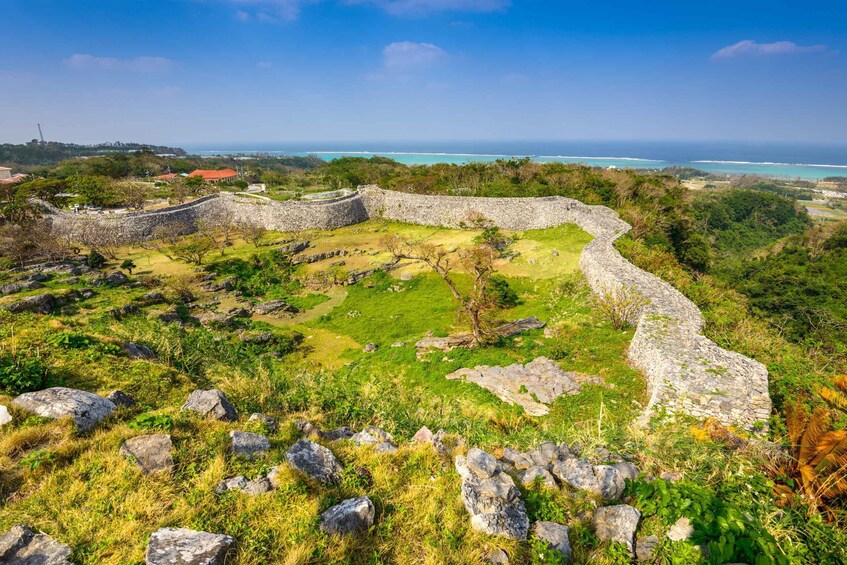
686,372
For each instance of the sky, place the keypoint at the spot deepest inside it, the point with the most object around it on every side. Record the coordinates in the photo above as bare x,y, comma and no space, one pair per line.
206,71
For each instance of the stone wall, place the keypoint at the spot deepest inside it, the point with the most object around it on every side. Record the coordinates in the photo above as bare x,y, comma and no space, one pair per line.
686,372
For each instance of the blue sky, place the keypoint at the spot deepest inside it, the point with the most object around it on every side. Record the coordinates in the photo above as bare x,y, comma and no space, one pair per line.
201,71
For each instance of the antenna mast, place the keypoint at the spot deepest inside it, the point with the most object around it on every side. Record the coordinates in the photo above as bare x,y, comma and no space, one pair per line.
41,135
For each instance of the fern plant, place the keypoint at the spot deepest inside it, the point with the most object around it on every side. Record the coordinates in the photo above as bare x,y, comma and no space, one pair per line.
818,464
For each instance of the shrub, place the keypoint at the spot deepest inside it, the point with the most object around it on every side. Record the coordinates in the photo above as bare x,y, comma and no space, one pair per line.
161,422
503,295
22,371
95,260
620,305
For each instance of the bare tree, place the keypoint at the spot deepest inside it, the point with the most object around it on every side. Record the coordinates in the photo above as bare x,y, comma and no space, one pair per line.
477,261
103,237
252,232
131,194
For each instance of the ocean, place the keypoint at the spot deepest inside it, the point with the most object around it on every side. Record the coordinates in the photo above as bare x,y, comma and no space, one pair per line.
778,160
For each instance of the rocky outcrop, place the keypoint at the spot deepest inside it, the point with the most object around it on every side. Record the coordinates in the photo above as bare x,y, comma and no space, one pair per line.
532,386
22,546
151,453
13,288
179,546
87,409
556,536
351,516
491,497
314,460
211,404
120,398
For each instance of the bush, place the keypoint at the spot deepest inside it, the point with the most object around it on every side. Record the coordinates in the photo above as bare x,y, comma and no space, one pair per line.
23,371
620,305
501,293
161,422
95,260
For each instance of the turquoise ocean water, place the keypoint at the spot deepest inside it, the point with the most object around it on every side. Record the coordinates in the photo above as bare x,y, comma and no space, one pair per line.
779,160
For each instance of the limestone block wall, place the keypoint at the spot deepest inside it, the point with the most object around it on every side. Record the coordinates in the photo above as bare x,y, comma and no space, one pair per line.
685,371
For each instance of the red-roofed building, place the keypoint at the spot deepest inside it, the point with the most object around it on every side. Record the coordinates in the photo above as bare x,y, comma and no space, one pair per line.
214,176
6,176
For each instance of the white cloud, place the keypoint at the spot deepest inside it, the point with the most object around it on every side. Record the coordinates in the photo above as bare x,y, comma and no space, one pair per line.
270,11
405,55
749,48
424,7
85,62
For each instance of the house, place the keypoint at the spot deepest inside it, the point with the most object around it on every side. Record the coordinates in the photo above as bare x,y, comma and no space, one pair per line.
6,176
214,176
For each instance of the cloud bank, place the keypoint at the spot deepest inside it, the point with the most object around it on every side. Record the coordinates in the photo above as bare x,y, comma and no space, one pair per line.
86,62
750,48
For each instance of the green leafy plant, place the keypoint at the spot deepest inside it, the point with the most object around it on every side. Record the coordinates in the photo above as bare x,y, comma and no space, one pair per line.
35,459
22,371
95,260
161,422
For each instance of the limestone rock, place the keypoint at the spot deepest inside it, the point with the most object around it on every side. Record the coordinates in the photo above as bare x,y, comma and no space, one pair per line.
314,460
370,348
234,483
259,485
626,470
385,447
179,546
601,480
210,404
517,459
423,435
339,433
681,530
617,523
491,497
352,515
497,557
532,386
248,444
274,307
269,423
138,351
120,398
5,417
556,536
645,548
22,546
86,409
40,304
151,453
118,278
530,475
610,481
307,428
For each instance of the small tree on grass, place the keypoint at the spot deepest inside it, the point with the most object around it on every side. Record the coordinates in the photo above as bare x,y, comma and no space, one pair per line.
128,265
252,232
620,305
193,248
477,261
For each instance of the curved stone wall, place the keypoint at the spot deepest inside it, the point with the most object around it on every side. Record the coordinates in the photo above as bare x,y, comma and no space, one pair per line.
686,372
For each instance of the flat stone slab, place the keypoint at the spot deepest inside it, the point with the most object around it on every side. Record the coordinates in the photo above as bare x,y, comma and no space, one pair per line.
179,546
211,404
151,453
248,444
22,546
531,386
314,460
87,409
352,515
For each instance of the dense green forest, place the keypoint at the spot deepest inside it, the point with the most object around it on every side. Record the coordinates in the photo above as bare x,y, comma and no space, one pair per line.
30,154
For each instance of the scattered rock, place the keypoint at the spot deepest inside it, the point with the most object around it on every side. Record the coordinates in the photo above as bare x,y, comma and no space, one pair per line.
40,304
274,306
22,546
517,459
681,530
520,326
370,348
352,515
295,247
398,344
497,557
617,523
423,435
234,483
491,497
120,398
211,404
611,483
58,402
5,417
307,428
118,278
13,288
556,536
269,423
153,298
259,485
151,453
645,549
670,476
248,444
122,312
601,480
626,470
315,461
339,433
179,546
530,475
138,351
226,284
531,386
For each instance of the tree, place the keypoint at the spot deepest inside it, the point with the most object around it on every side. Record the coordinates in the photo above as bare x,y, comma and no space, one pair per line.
193,248
131,194
128,265
477,261
92,190
252,232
